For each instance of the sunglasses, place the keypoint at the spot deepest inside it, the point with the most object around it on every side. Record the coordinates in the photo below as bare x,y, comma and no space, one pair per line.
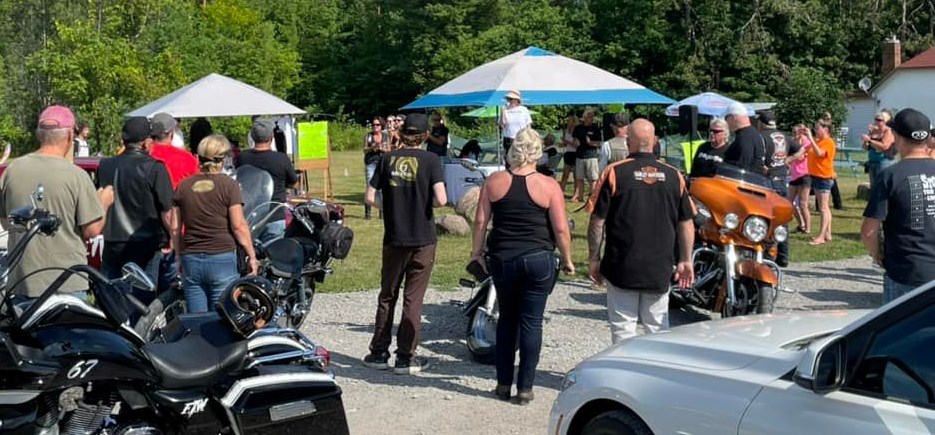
878,119
717,131
377,124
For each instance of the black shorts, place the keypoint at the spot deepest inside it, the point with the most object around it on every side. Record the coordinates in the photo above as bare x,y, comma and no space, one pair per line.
803,181
570,158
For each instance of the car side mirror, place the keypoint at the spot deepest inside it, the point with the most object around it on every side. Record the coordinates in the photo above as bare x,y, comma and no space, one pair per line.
137,277
822,367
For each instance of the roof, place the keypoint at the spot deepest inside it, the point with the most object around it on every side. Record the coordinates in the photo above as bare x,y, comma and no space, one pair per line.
926,59
217,95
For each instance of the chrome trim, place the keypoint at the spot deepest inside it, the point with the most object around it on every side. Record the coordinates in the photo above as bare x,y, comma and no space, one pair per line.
241,386
778,271
16,397
730,262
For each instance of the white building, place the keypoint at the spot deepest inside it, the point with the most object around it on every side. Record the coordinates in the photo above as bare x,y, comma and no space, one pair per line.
904,84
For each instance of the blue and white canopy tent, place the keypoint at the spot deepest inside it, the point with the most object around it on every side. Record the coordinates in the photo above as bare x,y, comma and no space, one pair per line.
543,78
709,104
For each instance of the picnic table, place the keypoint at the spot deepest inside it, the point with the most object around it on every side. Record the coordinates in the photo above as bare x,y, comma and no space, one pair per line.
845,159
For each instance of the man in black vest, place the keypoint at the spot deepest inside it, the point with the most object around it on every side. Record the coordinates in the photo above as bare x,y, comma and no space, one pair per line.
139,222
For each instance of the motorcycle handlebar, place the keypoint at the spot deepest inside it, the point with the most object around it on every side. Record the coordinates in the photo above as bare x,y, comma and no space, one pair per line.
141,308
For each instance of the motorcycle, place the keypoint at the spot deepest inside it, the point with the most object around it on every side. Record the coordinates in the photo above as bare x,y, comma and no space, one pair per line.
67,367
739,221
315,234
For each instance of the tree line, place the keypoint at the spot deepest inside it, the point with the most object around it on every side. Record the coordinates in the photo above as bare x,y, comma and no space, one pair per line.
352,59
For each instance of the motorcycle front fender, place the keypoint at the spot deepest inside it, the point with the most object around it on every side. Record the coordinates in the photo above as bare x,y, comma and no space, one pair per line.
757,271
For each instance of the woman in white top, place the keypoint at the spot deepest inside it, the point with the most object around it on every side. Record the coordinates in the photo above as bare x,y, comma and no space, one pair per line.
513,118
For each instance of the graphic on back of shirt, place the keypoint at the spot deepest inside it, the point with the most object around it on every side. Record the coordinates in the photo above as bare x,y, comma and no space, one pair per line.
203,186
780,148
649,175
922,200
405,170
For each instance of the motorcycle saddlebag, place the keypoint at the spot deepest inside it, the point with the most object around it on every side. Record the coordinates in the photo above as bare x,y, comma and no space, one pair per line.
336,240
287,400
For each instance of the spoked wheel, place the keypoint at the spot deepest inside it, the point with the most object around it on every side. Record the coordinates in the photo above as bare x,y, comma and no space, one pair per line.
165,308
753,297
482,335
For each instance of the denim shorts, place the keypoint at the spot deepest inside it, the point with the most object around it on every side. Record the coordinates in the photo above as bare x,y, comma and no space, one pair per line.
822,184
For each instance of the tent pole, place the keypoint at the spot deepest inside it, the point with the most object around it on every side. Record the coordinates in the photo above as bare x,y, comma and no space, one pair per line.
499,145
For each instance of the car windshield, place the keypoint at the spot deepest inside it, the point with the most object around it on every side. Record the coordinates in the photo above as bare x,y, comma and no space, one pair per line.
743,176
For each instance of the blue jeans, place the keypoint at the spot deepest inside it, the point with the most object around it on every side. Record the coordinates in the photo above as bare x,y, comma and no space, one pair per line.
523,287
893,290
273,230
205,277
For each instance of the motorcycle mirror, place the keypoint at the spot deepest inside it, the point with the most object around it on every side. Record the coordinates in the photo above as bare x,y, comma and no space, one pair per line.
37,195
466,283
138,278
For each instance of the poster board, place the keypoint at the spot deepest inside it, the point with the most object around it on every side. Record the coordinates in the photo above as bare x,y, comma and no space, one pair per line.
688,151
314,154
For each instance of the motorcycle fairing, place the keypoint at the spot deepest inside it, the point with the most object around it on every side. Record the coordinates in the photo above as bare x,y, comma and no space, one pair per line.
479,298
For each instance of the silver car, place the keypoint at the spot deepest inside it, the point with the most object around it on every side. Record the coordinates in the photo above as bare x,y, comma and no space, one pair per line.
834,372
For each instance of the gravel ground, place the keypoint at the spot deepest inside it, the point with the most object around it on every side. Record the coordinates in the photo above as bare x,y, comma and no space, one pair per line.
454,397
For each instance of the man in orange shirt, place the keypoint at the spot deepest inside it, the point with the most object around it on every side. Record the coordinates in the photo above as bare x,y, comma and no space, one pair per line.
821,169
180,164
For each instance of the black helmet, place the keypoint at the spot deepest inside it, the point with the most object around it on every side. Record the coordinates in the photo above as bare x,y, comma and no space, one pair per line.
247,304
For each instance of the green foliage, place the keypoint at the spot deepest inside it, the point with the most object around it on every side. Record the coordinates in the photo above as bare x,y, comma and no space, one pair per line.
807,95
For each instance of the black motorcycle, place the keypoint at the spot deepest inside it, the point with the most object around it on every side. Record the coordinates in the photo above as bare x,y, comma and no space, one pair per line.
67,367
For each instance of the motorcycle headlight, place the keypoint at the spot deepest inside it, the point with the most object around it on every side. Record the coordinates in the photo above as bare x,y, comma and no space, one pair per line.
731,221
781,233
703,212
755,228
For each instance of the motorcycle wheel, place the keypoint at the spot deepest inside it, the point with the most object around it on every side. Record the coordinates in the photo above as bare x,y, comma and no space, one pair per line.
165,308
754,297
766,297
482,336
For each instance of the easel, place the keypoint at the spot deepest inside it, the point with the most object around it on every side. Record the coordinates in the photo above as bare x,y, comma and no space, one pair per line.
305,166
314,154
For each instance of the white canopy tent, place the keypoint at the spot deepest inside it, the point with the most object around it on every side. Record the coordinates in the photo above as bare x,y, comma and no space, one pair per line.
216,95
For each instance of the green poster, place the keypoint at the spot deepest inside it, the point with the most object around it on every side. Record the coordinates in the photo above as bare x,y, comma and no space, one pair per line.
313,140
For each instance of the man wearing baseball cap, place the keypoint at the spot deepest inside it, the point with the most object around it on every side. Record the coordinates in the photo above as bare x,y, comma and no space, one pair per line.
278,166
68,194
902,200
779,149
180,163
140,221
748,150
410,180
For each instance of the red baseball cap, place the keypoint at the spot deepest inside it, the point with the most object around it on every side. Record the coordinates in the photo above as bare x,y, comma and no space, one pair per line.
54,117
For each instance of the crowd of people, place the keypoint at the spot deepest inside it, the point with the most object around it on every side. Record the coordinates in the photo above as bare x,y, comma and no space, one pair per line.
159,206
172,211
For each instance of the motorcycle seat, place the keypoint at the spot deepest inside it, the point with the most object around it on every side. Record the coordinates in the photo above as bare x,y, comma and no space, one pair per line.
286,257
204,355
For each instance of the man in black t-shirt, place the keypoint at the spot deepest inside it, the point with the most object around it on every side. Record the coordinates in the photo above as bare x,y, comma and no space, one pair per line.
779,147
411,183
748,150
587,154
279,168
438,137
646,211
139,222
711,153
902,199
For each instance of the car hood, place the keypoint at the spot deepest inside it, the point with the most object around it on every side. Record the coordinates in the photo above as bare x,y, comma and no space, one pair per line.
735,342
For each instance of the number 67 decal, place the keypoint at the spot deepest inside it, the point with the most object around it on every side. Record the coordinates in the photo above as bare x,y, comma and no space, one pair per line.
81,369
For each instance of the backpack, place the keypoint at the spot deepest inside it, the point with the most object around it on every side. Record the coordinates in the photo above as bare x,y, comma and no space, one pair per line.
336,240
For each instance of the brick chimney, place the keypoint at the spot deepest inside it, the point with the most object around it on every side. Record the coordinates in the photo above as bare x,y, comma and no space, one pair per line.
892,55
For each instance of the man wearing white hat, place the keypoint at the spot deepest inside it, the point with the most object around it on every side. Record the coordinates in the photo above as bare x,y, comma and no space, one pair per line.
748,151
513,118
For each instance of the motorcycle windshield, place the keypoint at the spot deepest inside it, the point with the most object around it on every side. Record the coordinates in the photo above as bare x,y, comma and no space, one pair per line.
256,186
743,176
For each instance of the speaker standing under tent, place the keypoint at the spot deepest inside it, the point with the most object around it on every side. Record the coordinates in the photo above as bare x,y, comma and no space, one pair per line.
688,119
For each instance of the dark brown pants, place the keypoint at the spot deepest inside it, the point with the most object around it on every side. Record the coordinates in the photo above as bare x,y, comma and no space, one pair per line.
415,265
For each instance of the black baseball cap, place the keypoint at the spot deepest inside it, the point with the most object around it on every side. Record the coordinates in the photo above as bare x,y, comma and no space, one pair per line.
137,129
622,119
911,124
416,123
767,117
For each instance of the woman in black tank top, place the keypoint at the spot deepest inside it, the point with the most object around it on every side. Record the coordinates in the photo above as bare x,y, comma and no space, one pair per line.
520,255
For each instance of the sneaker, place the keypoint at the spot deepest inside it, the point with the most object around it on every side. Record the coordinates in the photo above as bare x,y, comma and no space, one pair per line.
377,361
408,366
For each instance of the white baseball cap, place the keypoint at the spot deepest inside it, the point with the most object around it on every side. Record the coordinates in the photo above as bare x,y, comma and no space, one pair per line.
736,109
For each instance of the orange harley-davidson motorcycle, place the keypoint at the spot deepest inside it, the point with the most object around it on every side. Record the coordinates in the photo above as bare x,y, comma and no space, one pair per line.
739,222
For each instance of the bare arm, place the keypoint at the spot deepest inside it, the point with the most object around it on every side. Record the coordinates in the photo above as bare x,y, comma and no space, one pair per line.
870,236
821,152
684,270
481,220
560,226
441,197
106,197
242,233
168,222
370,197
177,233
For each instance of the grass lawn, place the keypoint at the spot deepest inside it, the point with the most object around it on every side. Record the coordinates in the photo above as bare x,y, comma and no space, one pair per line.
361,270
